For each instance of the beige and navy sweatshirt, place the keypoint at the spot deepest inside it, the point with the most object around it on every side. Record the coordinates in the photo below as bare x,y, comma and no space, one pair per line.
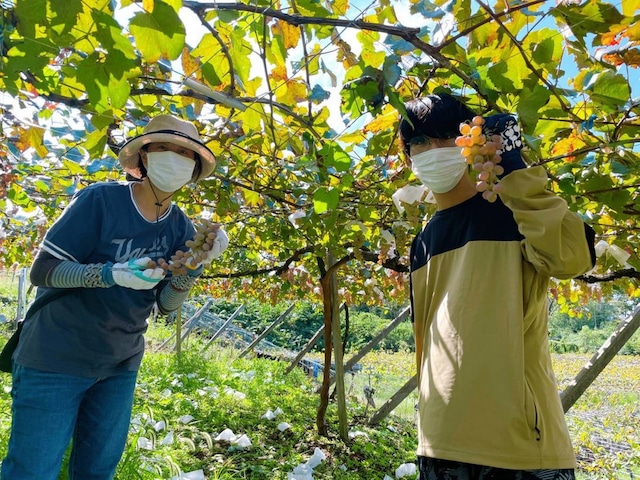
479,290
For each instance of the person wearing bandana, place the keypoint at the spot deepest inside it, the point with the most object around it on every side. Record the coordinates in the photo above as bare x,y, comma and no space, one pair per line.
488,404
75,367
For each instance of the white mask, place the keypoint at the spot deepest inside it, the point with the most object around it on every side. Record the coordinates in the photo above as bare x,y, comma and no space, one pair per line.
439,169
169,171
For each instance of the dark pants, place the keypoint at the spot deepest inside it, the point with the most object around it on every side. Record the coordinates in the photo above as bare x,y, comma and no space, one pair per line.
436,469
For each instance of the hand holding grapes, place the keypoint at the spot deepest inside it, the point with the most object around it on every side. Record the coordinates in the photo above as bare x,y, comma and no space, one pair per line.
506,127
208,243
483,156
492,147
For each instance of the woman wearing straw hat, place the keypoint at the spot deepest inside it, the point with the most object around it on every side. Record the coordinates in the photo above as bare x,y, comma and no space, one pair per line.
75,367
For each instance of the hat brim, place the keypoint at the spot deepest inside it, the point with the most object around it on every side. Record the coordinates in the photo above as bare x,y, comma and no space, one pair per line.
128,156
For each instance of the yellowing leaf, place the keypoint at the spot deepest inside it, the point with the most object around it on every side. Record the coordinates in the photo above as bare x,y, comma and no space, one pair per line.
340,7
251,198
633,32
297,90
629,7
372,58
196,103
606,220
575,296
251,118
32,137
251,86
632,57
293,91
207,47
344,54
190,64
613,59
313,63
279,73
354,137
609,38
74,169
159,34
290,33
384,121
566,146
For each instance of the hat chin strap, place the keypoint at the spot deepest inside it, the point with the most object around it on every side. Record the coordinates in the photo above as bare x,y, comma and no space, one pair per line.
159,202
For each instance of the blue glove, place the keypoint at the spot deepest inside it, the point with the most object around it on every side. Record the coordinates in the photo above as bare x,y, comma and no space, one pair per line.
133,274
507,127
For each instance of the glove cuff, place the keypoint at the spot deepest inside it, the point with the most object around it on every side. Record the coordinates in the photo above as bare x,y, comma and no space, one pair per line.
194,271
107,274
506,125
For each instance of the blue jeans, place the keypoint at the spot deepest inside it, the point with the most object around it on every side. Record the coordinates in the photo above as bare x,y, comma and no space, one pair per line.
51,409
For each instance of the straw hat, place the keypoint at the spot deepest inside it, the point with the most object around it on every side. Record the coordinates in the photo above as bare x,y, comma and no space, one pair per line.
170,129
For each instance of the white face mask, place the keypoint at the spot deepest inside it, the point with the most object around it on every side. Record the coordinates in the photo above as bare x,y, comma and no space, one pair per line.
169,171
439,169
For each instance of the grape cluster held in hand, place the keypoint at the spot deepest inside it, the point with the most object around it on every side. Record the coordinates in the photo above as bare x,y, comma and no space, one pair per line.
483,155
199,249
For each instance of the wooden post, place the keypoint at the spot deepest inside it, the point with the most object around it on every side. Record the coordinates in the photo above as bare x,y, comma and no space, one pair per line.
307,347
21,296
336,337
193,321
186,324
222,328
266,331
321,420
600,359
394,401
178,331
377,339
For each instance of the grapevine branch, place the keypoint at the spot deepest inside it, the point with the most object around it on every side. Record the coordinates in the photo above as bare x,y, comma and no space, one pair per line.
227,54
467,31
410,34
610,276
394,264
84,102
223,47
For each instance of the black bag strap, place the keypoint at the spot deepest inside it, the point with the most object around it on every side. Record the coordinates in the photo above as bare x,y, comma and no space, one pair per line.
40,302
6,354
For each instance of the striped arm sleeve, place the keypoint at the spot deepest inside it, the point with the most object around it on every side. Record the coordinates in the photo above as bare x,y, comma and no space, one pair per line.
175,292
68,274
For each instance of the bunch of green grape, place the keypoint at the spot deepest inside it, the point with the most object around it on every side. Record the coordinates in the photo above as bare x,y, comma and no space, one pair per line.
483,156
198,248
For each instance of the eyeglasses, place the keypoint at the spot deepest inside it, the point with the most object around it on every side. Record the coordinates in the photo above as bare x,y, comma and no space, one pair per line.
418,140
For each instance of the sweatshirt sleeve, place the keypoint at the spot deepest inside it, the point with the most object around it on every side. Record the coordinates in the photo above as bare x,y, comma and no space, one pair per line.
556,240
